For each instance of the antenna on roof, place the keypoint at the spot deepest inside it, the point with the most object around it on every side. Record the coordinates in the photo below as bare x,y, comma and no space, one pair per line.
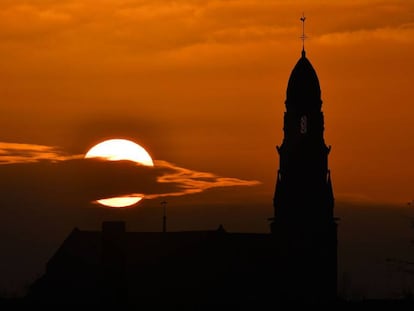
303,37
164,217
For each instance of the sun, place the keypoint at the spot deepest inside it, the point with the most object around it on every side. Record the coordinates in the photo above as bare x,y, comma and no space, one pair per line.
120,149
117,150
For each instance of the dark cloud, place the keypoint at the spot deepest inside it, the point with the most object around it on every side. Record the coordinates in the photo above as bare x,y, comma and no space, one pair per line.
42,174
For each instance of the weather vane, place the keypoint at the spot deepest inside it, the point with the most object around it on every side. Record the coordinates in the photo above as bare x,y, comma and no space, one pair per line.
303,37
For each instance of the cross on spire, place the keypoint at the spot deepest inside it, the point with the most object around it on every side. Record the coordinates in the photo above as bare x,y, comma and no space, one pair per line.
303,37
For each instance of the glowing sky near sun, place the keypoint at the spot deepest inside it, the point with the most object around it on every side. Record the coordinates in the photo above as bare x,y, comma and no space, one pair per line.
203,82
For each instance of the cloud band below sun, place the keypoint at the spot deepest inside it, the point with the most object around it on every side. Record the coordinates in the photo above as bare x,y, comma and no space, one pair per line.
46,170
192,181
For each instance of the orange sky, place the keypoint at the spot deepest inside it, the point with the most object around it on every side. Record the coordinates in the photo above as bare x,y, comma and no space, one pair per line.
202,83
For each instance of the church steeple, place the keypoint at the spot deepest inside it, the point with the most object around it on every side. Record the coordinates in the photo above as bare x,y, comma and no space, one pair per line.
303,93
303,223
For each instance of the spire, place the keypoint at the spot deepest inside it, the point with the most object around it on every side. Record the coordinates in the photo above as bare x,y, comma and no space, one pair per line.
303,37
303,92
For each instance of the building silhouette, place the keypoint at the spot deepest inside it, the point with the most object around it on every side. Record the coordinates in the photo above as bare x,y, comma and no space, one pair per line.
297,261
304,225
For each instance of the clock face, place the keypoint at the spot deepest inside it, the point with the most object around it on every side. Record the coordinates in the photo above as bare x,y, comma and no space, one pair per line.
303,125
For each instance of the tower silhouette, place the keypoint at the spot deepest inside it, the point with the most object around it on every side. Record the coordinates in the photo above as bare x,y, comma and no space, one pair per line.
304,226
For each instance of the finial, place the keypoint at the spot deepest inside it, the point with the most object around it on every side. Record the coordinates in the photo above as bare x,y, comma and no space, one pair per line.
303,37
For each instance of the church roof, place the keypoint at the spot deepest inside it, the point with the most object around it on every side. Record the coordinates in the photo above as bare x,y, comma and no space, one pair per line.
87,246
185,267
303,91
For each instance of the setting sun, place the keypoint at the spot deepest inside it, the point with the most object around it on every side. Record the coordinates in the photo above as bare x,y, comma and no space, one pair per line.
117,150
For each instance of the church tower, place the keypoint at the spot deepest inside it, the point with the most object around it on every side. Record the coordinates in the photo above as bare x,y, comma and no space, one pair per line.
304,226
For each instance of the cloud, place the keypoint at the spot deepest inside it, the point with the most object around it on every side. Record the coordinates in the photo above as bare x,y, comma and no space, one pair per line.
89,36
42,174
400,34
191,181
23,21
12,153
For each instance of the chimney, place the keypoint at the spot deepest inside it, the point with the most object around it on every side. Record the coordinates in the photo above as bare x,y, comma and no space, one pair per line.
113,260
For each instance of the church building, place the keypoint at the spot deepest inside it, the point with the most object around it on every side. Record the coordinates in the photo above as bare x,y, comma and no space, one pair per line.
296,261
